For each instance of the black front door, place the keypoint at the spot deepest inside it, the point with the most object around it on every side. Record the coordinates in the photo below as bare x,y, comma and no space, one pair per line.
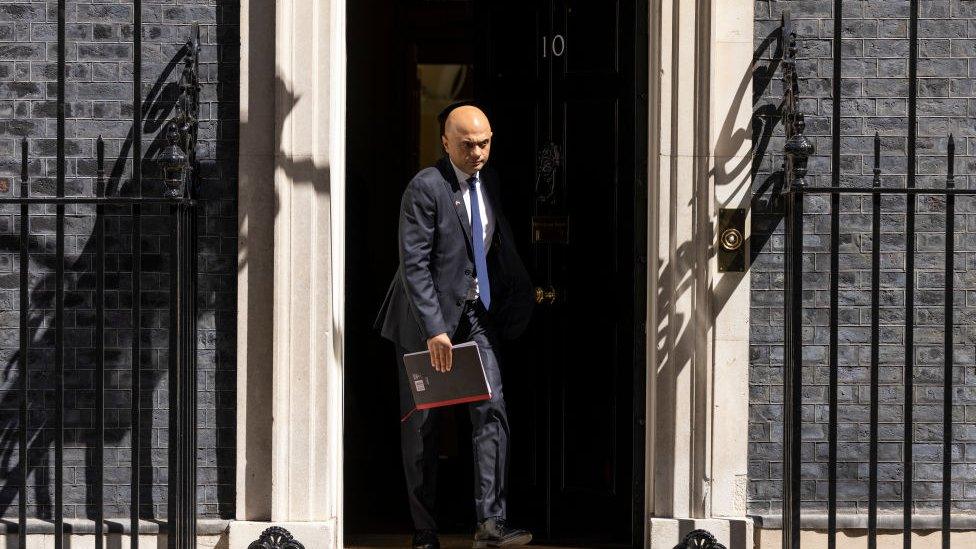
562,80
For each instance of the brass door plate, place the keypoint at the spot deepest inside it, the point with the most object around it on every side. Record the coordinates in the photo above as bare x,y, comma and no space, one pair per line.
550,229
732,246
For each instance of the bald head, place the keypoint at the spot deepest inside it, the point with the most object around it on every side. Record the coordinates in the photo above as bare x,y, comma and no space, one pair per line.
467,138
466,119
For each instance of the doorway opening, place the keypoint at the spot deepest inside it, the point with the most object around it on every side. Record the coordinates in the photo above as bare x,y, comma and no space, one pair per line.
564,85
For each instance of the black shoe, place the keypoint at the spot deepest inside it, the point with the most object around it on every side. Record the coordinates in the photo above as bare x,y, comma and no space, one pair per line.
425,539
494,532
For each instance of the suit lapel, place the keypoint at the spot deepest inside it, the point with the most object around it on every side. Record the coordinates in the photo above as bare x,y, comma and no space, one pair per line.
457,196
462,213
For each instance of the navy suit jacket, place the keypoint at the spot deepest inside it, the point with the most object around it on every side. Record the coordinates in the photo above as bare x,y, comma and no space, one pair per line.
436,270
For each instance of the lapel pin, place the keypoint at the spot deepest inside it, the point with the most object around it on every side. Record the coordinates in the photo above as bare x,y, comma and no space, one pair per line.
457,202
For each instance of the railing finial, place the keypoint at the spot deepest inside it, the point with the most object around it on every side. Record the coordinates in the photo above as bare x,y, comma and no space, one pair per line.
179,158
798,148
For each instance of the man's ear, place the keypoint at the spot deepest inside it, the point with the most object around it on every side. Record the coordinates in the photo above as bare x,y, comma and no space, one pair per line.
444,142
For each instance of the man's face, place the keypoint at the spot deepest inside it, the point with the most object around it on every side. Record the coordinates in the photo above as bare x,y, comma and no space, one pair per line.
467,139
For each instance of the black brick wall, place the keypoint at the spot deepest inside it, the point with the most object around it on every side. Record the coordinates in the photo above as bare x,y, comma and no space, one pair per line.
874,90
99,102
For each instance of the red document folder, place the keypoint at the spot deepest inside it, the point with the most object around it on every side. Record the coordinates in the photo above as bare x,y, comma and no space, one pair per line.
466,382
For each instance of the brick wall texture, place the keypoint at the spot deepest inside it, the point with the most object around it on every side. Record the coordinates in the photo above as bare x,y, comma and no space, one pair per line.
874,90
99,50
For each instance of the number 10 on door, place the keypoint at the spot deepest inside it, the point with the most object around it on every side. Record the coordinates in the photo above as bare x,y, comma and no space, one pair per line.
556,46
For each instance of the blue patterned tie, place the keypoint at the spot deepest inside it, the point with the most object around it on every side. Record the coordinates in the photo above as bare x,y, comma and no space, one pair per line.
478,245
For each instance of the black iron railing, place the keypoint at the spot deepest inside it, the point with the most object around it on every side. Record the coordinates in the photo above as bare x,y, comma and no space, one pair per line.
795,189
180,175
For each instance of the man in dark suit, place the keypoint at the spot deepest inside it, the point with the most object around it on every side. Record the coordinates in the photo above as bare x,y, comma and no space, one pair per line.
460,279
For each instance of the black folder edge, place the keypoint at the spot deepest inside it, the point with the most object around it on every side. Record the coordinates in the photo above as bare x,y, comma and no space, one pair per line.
451,401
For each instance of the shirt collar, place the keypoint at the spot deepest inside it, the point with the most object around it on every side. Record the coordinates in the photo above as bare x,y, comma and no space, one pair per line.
463,177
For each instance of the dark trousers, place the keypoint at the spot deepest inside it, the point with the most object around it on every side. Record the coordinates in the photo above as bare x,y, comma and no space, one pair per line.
489,433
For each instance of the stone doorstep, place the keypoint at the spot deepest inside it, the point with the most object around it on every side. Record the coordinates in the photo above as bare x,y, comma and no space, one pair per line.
207,527
667,533
859,521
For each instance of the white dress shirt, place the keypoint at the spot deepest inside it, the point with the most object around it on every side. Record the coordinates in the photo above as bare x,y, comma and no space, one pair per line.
466,194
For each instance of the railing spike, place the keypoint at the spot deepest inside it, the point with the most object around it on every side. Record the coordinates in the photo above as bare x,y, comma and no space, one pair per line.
951,161
877,154
23,159
100,166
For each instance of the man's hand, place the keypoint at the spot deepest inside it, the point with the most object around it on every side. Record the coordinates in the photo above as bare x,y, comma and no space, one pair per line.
440,352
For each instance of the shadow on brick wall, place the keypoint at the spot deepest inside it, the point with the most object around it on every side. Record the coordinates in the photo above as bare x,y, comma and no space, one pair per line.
767,210
216,341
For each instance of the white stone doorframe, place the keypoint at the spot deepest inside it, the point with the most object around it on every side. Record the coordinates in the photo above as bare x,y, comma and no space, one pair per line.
290,287
291,263
699,159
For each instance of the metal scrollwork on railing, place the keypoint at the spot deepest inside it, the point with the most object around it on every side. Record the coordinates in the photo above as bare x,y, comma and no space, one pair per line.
798,147
699,539
179,158
276,537
798,150
547,163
